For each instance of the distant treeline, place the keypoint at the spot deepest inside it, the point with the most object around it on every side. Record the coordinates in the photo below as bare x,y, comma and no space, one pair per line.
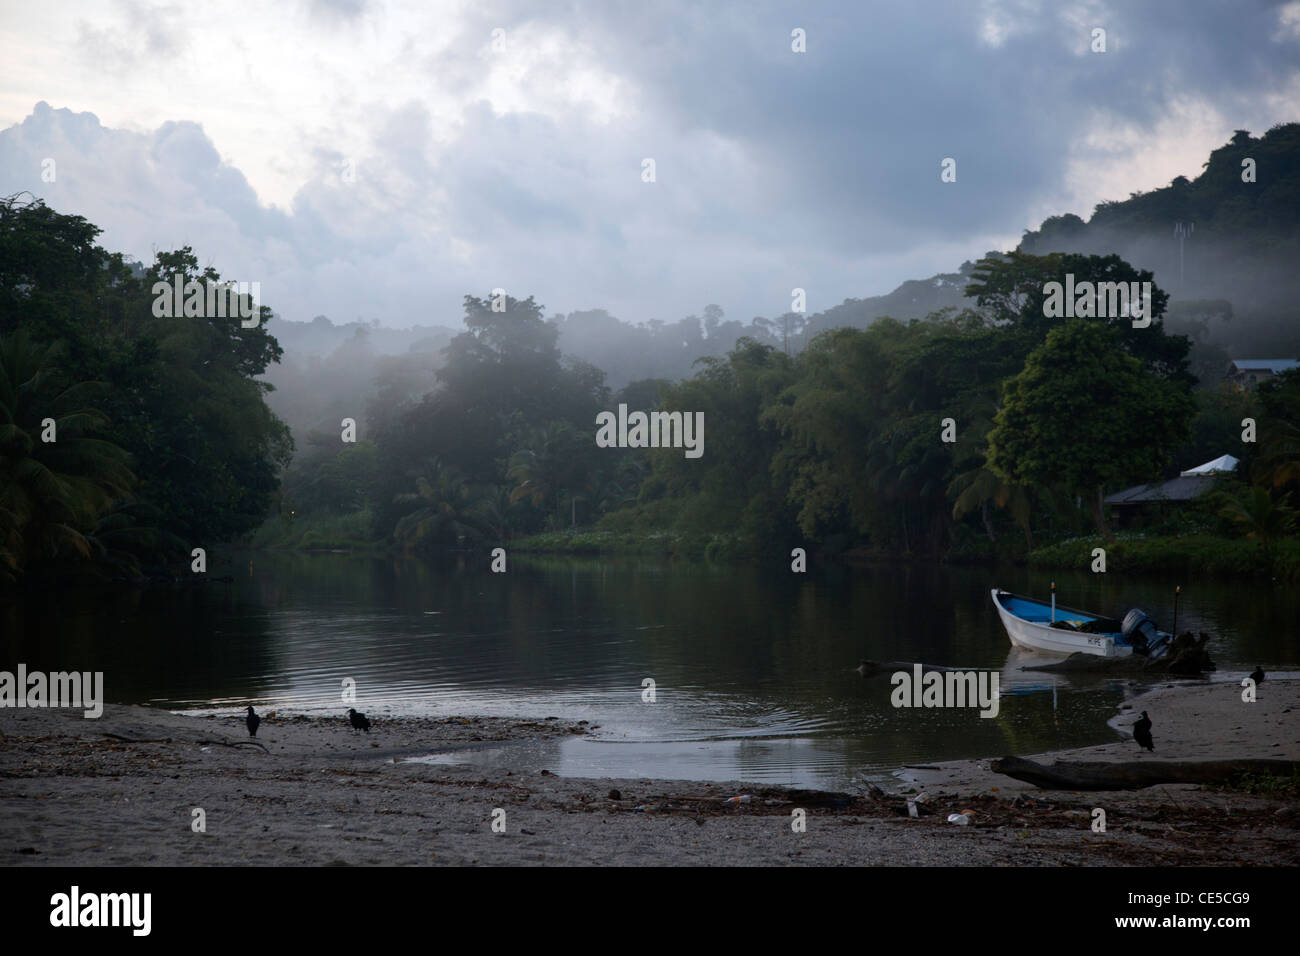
982,428
1231,279
967,433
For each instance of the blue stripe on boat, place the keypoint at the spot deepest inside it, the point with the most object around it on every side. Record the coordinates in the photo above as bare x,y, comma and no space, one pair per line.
1040,613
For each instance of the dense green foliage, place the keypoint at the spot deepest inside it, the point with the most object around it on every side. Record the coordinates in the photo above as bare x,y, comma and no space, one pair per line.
1184,554
1083,415
984,430
162,439
840,446
1234,269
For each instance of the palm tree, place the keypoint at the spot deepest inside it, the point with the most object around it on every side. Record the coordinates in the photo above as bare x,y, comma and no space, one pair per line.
11,546
52,492
444,516
492,511
1279,459
550,465
980,487
129,530
622,486
1260,516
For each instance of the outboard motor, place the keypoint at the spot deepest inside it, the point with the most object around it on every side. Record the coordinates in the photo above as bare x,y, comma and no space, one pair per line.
1140,630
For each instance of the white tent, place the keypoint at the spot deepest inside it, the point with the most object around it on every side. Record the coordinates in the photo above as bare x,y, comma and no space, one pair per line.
1222,463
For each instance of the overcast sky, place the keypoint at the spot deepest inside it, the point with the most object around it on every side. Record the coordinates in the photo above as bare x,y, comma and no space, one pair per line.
369,159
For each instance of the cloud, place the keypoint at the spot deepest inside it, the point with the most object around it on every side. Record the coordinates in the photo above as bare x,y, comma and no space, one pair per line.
1288,22
382,160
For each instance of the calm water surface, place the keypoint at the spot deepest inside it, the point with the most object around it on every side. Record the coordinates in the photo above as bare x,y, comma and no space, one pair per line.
753,668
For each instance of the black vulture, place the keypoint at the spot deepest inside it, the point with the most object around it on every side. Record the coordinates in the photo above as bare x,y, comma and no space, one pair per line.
358,721
252,720
1142,732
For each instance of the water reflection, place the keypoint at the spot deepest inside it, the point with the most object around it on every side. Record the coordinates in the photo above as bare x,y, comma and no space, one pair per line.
753,668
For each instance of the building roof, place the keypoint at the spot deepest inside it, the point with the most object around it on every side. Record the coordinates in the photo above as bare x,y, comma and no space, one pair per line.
1182,488
1275,366
1220,464
1185,487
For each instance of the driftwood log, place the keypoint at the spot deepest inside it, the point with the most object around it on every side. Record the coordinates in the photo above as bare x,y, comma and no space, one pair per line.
869,668
1135,775
167,740
1186,656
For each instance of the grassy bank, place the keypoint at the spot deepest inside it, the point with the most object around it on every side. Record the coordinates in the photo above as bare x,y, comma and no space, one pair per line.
1205,554
1197,553
351,532
666,543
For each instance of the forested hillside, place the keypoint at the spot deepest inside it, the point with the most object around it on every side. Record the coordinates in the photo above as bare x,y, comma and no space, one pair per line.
950,418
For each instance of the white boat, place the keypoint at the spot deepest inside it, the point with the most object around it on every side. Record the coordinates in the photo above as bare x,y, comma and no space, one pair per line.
1040,626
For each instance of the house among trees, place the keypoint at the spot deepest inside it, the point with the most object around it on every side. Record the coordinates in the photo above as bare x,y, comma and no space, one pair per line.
1140,500
1248,373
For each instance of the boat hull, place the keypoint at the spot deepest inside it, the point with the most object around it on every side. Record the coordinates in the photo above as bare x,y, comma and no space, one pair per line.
1054,640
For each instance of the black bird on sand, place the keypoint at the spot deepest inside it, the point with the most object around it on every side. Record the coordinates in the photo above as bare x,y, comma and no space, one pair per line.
252,720
359,721
1142,732
1257,675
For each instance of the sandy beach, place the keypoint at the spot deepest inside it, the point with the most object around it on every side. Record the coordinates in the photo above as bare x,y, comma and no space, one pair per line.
123,790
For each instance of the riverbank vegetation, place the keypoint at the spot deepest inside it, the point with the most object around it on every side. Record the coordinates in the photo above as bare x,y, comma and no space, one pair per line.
982,431
126,439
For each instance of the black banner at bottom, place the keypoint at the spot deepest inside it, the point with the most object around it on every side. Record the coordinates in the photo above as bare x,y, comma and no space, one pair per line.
336,904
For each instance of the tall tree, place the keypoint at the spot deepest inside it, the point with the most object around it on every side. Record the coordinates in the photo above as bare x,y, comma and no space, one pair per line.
1011,288
1084,414
58,477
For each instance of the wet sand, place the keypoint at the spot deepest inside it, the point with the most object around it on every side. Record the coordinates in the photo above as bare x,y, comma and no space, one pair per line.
122,790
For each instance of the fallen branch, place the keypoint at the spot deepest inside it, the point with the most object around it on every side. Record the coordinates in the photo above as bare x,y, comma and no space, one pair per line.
237,743
167,740
1135,775
1186,656
867,668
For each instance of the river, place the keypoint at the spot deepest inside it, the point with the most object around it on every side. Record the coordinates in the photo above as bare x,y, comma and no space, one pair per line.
753,669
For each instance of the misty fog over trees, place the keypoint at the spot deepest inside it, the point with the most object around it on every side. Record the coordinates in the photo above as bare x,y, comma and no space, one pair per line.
476,429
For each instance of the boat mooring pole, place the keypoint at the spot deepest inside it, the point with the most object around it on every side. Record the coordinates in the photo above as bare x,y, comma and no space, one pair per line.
1177,591
1053,602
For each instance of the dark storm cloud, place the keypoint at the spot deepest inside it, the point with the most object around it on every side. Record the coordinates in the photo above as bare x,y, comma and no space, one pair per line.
184,151
851,134
512,174
144,31
344,10
774,169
